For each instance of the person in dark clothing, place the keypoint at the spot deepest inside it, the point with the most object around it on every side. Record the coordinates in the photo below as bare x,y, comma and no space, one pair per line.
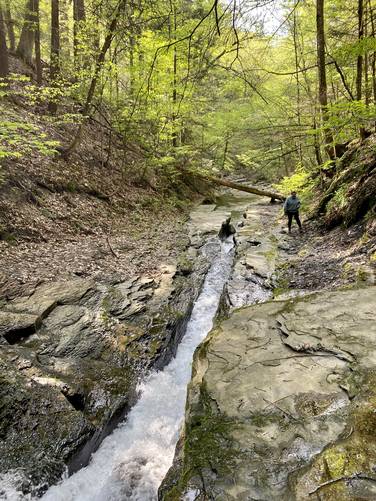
291,208
226,230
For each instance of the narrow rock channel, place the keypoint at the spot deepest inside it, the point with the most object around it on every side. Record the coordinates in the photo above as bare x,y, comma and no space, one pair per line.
132,462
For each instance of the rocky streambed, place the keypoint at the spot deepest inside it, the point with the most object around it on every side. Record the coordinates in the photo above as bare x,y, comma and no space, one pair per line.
73,353
281,404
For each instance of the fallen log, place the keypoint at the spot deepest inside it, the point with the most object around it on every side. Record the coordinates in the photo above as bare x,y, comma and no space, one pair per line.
237,186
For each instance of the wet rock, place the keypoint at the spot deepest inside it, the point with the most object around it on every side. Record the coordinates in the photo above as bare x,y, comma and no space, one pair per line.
254,268
74,377
268,419
39,428
47,296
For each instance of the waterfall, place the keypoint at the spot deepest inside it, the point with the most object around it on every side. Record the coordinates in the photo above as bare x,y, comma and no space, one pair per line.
132,462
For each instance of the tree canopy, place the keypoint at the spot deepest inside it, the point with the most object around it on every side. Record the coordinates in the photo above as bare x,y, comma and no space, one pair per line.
271,86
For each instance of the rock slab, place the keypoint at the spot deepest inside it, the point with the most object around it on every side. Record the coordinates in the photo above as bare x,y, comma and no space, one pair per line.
282,404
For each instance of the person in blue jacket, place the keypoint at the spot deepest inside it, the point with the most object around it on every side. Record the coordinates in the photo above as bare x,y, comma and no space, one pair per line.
291,208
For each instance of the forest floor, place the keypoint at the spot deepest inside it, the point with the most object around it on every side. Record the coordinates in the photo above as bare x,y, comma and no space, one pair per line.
103,213
138,241
320,259
128,249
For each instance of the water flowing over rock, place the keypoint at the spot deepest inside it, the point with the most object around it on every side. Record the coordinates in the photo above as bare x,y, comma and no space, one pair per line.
72,355
75,351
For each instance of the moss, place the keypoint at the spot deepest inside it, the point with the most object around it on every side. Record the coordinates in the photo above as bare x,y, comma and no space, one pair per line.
71,186
270,255
185,265
361,274
282,286
357,452
208,446
280,279
347,270
364,239
303,252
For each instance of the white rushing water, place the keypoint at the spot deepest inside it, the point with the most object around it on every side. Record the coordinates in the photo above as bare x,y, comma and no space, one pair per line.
132,461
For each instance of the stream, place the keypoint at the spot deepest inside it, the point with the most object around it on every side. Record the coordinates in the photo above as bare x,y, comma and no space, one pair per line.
132,462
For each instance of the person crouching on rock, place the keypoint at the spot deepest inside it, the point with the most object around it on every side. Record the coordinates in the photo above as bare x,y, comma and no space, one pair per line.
291,208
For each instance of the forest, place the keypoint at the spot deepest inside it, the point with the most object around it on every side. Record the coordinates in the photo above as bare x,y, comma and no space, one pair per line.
274,88
166,332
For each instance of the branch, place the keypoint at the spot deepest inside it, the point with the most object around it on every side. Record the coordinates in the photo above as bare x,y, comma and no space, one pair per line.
245,79
355,476
302,70
342,75
111,249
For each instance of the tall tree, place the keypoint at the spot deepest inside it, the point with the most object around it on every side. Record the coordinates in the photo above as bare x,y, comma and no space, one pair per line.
55,49
4,61
321,65
10,26
79,17
297,67
373,33
175,139
359,62
26,42
38,59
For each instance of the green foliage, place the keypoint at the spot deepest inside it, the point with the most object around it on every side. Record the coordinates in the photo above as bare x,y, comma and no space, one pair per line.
18,139
346,117
190,94
22,86
352,50
339,200
300,182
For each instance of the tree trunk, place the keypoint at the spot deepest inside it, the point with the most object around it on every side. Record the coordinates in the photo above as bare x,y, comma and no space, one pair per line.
38,60
98,67
175,140
366,60
55,50
373,65
236,186
26,42
359,62
225,151
298,111
10,26
323,90
317,144
4,61
79,17
64,31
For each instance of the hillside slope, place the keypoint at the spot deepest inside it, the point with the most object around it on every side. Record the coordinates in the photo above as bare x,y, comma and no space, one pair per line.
104,211
351,194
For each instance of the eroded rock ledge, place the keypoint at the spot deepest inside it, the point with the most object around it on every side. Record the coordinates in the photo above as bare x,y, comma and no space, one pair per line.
282,404
72,353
